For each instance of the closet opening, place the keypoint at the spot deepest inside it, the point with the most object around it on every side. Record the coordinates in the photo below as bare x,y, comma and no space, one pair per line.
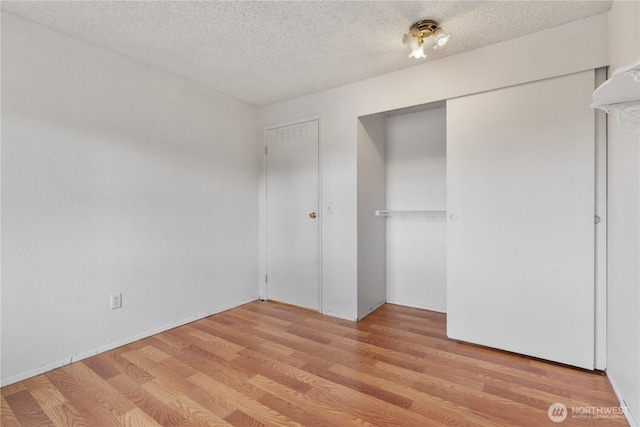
402,208
491,206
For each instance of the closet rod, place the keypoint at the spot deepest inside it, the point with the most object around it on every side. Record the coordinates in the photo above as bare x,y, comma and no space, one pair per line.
408,212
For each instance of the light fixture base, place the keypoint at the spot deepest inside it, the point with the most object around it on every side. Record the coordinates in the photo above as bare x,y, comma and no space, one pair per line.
426,27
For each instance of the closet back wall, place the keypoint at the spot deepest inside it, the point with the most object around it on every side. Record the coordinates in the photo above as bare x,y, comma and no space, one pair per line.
416,180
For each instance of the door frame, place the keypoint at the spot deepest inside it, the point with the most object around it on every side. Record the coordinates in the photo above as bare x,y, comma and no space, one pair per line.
601,230
262,217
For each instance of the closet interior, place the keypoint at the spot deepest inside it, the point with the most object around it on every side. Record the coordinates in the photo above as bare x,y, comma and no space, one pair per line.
402,208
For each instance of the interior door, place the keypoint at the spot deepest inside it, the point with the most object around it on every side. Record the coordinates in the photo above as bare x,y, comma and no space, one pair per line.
293,215
520,233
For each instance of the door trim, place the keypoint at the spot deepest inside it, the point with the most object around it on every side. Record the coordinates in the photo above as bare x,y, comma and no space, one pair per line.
600,234
262,216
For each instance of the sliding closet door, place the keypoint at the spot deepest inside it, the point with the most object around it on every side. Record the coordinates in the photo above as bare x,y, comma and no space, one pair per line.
520,232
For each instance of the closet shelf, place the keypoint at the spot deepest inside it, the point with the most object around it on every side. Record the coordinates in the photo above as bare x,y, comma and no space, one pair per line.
409,212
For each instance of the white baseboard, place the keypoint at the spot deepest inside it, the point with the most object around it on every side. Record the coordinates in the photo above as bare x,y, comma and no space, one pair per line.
421,306
77,357
374,308
630,418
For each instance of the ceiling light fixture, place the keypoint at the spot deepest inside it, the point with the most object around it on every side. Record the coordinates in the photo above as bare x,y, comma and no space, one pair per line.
425,33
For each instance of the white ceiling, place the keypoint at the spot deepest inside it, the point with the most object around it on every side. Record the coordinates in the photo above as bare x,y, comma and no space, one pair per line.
266,51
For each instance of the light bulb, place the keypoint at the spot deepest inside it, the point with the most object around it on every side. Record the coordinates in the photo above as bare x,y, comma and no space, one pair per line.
418,53
413,40
441,38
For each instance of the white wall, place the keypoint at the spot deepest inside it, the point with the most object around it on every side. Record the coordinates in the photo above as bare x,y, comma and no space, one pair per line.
416,179
623,355
371,228
557,51
116,177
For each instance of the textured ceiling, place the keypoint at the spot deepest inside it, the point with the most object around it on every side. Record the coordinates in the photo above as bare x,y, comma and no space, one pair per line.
264,52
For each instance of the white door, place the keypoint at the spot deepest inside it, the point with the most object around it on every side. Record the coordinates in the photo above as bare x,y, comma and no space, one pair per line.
520,236
293,215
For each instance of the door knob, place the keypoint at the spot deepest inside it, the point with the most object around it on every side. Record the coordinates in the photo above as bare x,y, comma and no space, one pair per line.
313,215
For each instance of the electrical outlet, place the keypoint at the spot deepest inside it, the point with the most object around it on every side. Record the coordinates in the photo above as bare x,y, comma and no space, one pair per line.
116,300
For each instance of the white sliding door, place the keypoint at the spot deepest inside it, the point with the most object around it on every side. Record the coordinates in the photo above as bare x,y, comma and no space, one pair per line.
520,233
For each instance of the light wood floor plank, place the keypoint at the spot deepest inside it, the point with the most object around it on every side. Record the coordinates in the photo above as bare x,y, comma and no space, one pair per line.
318,408
7,417
138,418
146,402
252,408
26,409
64,415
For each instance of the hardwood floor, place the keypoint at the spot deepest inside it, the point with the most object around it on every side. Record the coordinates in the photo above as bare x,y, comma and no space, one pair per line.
271,364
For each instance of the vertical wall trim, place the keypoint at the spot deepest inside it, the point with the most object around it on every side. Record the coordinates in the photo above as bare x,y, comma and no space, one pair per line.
600,289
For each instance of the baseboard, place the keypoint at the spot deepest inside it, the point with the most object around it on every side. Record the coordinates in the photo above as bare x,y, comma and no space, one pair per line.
374,308
421,306
77,357
630,418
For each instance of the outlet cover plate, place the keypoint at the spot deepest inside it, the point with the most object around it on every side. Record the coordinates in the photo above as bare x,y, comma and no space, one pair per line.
116,300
